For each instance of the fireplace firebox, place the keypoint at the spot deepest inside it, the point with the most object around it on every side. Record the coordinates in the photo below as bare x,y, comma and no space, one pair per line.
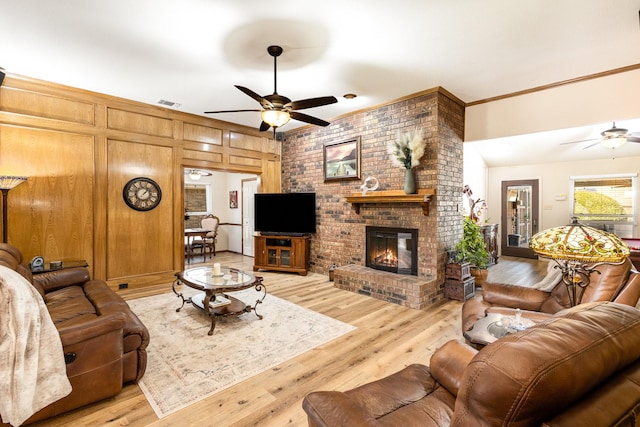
392,249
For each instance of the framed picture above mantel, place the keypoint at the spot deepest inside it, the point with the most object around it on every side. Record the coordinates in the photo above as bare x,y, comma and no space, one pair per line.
342,160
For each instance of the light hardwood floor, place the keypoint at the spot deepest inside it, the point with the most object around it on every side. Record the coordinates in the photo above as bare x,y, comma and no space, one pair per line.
388,337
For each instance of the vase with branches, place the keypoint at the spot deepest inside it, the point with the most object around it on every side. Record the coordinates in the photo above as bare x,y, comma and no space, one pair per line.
405,152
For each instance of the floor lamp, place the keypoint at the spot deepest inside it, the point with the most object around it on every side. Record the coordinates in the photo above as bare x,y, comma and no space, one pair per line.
6,184
578,250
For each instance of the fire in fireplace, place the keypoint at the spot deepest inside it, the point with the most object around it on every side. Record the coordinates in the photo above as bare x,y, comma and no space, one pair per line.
392,249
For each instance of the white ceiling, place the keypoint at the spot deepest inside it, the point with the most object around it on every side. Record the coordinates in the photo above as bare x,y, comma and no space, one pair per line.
193,52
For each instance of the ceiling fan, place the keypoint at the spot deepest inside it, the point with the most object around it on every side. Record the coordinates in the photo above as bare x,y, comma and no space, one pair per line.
277,110
611,138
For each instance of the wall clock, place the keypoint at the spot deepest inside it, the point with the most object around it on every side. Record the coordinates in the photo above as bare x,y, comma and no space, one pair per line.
142,194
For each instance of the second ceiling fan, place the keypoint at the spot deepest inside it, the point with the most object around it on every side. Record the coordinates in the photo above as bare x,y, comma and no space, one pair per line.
611,138
277,110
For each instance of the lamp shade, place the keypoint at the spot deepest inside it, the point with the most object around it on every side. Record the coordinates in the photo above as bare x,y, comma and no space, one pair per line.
579,242
9,182
275,118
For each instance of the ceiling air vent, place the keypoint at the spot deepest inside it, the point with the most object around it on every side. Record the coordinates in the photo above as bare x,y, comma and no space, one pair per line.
169,103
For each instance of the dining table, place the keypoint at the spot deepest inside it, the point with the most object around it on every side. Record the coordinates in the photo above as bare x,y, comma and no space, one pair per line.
190,234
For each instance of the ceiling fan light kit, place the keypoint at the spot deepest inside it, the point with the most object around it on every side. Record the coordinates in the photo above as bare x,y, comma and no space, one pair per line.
196,174
277,110
615,142
275,118
614,137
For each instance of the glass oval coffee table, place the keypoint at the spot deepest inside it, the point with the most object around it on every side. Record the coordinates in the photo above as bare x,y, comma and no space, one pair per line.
214,300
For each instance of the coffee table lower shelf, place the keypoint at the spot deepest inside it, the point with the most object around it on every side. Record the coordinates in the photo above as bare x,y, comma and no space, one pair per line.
214,300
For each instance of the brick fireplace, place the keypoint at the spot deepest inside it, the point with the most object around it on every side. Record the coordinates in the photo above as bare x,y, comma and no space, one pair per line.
341,229
392,249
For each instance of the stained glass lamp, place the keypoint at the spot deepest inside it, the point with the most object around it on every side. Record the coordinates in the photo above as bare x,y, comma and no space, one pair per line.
6,184
578,250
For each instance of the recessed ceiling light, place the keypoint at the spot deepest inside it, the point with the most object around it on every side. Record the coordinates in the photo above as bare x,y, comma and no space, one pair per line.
349,95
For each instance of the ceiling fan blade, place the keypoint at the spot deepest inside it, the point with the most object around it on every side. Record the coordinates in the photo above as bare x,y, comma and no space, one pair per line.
311,102
633,138
228,111
582,140
264,102
308,119
264,126
592,145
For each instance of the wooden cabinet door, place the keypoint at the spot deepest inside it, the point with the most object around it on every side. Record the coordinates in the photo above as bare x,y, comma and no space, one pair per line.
300,252
260,254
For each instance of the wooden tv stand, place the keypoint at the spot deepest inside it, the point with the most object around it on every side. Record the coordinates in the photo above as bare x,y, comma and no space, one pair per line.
281,253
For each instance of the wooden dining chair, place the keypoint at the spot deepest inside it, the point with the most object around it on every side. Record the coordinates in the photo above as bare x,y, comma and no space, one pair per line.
208,243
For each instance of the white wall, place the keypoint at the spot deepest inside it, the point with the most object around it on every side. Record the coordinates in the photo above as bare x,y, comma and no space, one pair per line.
605,99
554,180
475,175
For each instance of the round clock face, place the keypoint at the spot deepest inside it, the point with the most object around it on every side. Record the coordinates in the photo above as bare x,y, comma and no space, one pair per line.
142,194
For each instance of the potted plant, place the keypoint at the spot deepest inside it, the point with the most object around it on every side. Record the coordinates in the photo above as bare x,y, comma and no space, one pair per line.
472,249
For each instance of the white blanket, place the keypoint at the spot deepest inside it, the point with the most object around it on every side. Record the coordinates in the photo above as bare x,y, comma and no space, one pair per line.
32,369
551,279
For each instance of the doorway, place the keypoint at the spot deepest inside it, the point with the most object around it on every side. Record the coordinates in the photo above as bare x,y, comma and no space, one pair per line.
249,188
519,217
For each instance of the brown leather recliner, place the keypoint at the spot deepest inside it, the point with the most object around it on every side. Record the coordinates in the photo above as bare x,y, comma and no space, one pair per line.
579,367
617,283
104,342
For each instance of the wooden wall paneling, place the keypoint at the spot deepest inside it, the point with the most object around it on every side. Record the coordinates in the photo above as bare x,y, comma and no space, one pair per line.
248,142
204,134
100,196
41,105
139,123
71,135
270,181
139,243
251,162
178,211
52,213
206,156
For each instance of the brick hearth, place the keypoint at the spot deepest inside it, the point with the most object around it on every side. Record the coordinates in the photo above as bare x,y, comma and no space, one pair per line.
409,291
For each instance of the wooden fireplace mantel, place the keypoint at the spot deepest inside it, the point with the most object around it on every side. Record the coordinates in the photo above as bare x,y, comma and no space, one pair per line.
423,197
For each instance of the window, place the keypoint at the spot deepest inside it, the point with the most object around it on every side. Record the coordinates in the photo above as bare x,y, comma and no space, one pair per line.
604,199
197,199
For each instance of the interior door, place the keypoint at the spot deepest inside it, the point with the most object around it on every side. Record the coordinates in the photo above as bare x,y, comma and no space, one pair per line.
519,217
249,188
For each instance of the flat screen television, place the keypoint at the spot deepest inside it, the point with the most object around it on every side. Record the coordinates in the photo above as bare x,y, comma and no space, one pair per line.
285,213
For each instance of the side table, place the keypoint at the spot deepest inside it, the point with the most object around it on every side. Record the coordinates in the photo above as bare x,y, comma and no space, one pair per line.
63,266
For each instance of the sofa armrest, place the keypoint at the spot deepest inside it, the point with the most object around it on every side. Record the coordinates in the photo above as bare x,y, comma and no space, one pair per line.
363,405
52,280
449,362
334,408
473,309
514,296
102,325
536,316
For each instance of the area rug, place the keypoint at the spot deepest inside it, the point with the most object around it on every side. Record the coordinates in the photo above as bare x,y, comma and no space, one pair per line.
186,365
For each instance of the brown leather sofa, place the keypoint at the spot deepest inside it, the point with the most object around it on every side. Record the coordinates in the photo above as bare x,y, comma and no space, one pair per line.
617,283
104,342
580,367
